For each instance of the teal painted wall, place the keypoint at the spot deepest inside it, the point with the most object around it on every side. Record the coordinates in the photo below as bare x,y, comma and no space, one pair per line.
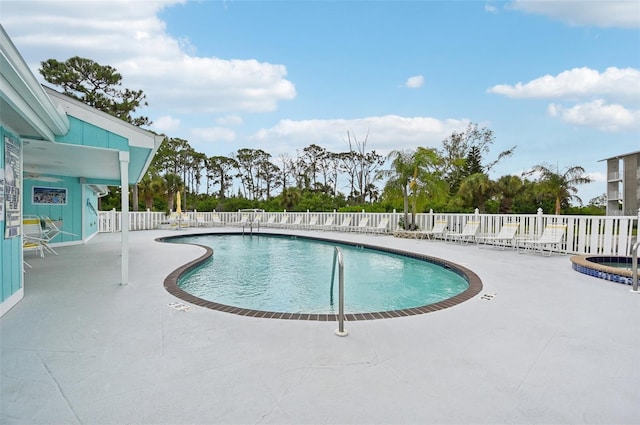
83,133
10,249
70,214
91,212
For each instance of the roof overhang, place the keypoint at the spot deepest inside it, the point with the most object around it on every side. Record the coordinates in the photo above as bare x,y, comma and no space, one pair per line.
24,106
142,145
40,117
621,156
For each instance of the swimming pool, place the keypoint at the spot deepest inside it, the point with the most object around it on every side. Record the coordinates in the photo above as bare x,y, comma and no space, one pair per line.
289,277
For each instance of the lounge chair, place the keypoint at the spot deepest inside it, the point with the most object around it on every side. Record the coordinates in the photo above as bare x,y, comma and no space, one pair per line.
201,221
380,228
439,229
468,233
271,221
313,222
216,221
244,220
344,226
506,236
362,225
552,237
297,223
328,224
283,221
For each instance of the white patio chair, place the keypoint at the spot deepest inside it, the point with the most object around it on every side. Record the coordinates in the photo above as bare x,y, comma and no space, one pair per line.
505,237
216,221
380,228
328,224
201,221
552,237
468,233
313,222
33,236
178,221
283,221
271,221
362,225
297,223
244,220
439,229
344,226
50,231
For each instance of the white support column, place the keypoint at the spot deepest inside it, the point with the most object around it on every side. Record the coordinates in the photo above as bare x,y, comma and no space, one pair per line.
124,231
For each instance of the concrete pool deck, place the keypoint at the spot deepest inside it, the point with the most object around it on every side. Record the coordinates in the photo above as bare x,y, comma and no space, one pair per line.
548,345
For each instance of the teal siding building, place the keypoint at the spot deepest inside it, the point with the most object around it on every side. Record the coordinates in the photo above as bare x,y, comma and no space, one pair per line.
57,157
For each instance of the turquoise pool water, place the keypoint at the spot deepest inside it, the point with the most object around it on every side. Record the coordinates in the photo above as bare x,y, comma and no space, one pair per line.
293,275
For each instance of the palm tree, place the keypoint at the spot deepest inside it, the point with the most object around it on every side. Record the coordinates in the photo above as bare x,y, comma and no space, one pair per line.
290,197
400,174
150,186
508,187
561,187
412,173
173,183
475,190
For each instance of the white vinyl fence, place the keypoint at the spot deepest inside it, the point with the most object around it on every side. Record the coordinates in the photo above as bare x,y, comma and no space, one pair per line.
598,235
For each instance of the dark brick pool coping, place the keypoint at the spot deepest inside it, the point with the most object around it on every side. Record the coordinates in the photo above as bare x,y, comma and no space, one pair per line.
171,285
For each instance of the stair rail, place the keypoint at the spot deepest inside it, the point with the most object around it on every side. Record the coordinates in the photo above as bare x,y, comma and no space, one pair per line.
337,254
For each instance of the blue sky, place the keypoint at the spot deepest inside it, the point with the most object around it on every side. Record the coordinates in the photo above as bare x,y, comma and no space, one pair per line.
559,79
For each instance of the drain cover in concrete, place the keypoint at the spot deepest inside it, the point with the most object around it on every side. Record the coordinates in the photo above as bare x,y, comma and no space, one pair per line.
179,306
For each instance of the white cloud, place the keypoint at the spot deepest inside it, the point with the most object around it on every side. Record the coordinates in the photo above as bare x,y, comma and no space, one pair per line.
604,13
386,133
490,8
605,101
165,124
597,176
577,83
598,114
229,120
214,134
414,82
130,37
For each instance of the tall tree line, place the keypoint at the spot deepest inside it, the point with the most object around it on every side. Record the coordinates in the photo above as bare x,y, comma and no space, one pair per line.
454,177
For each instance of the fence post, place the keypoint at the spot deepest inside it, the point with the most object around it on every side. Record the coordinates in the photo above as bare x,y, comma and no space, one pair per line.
112,219
539,225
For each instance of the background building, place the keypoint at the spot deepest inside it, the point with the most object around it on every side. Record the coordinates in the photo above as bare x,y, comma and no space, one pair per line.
623,184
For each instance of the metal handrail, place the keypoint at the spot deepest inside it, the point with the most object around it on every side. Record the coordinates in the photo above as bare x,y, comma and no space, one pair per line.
257,222
634,265
337,254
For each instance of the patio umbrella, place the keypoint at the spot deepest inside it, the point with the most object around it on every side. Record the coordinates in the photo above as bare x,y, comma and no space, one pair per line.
178,206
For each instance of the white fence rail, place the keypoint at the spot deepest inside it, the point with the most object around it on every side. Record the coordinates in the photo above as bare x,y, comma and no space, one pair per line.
597,235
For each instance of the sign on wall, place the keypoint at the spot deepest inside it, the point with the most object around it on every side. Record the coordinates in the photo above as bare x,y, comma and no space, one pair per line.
49,196
12,186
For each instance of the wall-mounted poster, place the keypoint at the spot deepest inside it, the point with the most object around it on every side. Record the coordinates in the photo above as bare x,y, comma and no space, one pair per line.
1,194
49,196
12,185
